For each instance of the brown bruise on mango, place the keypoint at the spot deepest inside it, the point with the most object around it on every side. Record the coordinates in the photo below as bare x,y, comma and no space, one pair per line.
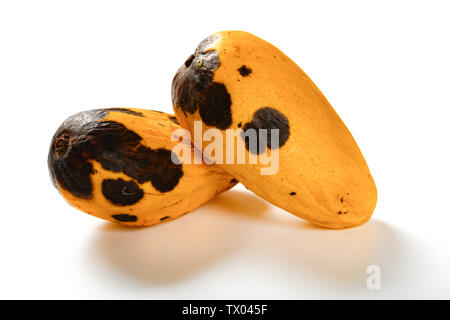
109,186
193,87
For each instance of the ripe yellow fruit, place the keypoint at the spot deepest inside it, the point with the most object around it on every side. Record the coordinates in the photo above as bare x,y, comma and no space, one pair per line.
235,80
116,164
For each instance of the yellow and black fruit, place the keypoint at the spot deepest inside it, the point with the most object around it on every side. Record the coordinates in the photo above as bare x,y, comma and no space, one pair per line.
116,164
235,80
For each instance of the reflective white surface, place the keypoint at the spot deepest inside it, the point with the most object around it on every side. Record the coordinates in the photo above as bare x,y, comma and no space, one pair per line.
385,69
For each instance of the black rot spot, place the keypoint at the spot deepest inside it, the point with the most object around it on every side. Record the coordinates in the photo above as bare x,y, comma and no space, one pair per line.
84,137
189,60
164,218
215,106
293,193
269,119
193,87
244,71
125,217
120,192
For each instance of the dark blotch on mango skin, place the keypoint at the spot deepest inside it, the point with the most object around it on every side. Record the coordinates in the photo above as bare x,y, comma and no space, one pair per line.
86,137
120,192
164,218
193,88
174,120
267,118
189,60
125,217
244,71
292,193
215,105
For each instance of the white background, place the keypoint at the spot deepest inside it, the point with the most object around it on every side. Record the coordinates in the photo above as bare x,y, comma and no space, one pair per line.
383,65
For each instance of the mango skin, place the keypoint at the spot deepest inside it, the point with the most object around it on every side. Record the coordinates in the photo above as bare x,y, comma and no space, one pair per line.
322,176
120,146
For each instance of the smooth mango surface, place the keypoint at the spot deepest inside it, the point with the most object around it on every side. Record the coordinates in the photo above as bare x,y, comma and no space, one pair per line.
235,80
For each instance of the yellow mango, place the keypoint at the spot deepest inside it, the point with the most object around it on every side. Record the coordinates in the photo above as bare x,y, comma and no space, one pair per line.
116,164
238,81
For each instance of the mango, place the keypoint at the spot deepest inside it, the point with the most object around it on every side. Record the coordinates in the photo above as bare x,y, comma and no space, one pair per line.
117,164
238,81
